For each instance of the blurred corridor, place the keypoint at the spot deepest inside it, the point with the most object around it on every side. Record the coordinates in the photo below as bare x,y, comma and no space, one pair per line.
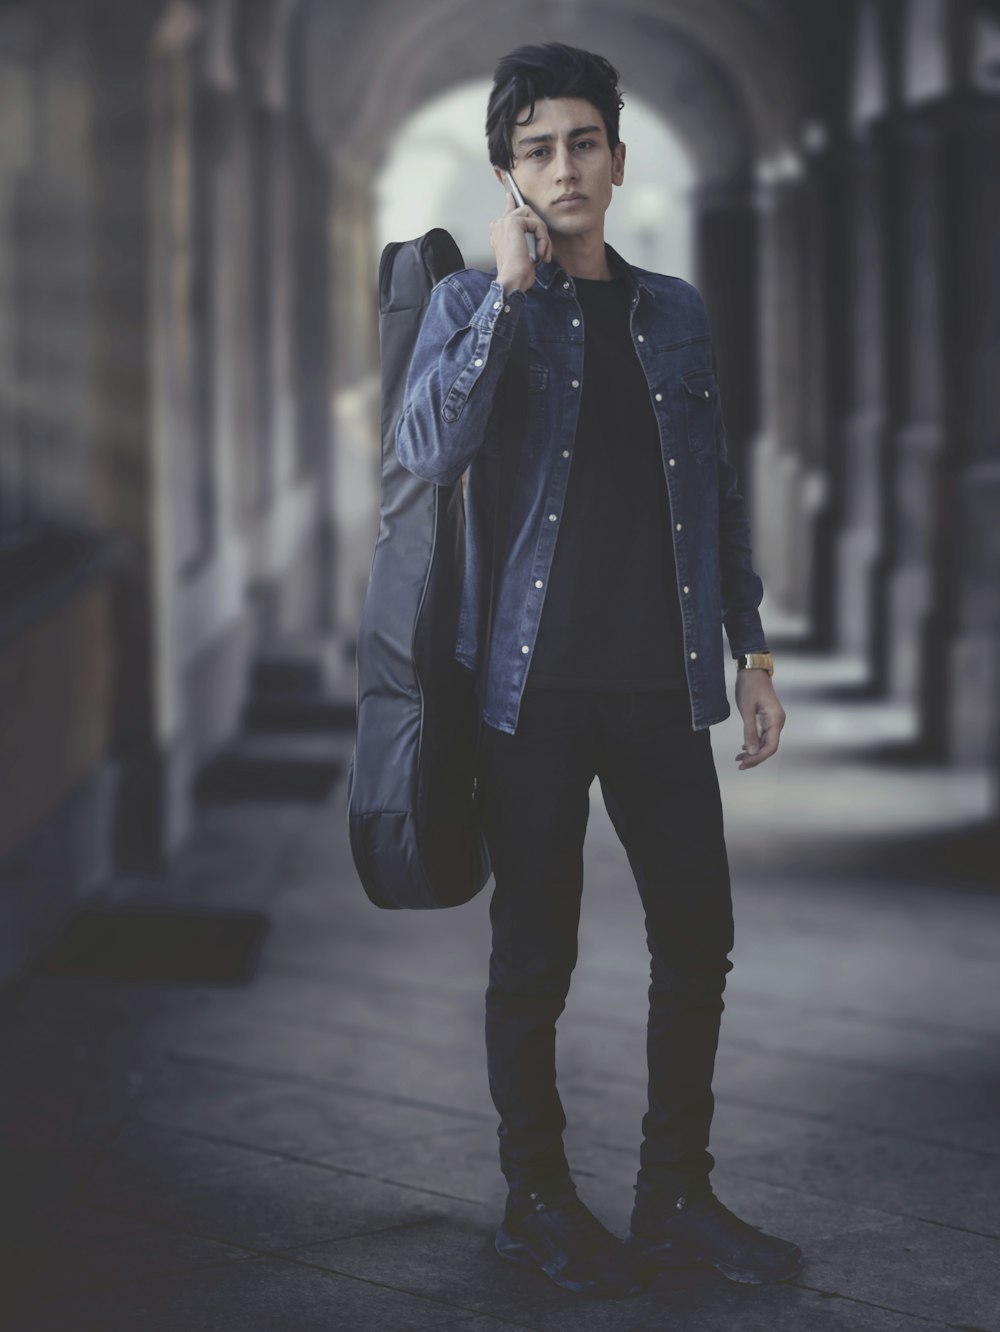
193,199
189,392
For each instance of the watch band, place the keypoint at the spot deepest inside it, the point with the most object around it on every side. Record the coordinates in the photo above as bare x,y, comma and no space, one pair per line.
761,660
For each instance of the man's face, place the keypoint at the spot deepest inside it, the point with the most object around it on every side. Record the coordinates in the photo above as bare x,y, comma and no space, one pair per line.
564,151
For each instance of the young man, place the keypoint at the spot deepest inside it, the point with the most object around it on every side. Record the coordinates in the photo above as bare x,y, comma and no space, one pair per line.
627,550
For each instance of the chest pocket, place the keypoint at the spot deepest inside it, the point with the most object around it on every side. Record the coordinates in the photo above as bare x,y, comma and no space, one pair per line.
538,382
701,391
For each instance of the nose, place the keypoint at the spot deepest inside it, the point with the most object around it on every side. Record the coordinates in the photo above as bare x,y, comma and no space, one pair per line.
566,169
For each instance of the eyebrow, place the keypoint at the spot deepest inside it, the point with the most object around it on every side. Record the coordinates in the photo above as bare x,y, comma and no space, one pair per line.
544,138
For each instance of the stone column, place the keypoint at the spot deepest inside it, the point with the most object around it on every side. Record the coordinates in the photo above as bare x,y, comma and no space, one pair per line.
961,639
779,480
914,427
830,316
726,257
860,432
354,469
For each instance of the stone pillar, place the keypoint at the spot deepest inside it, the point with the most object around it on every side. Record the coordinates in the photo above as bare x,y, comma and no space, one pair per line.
283,523
780,482
859,538
205,442
961,639
914,427
354,468
828,282
726,257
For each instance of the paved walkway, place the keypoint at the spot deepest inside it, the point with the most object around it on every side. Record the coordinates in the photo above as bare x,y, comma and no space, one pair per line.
317,1149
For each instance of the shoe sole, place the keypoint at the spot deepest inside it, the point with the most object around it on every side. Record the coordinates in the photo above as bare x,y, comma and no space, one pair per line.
521,1255
673,1257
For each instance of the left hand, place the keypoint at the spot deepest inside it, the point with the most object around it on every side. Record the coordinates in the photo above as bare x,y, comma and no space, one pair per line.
763,716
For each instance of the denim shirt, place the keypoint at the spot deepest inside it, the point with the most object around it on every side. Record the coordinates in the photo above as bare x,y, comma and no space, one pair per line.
461,350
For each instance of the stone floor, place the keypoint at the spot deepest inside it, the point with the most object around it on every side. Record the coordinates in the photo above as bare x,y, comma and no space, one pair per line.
316,1149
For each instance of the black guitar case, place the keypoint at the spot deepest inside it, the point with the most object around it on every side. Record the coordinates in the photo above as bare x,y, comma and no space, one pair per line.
413,817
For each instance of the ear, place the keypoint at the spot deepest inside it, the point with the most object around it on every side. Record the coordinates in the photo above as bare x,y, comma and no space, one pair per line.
618,163
500,174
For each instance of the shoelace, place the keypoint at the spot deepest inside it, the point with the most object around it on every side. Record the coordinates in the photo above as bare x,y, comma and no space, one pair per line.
576,1222
742,1228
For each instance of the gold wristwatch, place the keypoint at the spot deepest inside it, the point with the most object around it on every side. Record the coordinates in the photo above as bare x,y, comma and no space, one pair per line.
748,660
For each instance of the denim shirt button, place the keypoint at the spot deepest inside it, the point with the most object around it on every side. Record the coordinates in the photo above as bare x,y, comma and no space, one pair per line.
538,582
686,588
525,648
693,655
672,462
678,527
659,397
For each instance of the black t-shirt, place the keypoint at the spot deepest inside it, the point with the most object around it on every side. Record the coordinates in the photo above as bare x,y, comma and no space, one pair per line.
611,617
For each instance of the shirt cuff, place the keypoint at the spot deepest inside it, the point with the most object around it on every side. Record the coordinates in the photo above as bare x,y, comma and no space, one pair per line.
499,314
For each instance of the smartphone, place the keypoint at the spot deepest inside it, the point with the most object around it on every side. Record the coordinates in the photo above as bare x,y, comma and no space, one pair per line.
519,200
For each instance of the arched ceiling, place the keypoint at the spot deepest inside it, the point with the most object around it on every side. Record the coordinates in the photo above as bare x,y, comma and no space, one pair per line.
727,74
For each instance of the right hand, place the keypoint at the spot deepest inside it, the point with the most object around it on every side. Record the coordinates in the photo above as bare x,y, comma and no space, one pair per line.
515,271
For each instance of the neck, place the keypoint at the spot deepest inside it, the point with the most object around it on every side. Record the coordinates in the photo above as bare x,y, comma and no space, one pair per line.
582,256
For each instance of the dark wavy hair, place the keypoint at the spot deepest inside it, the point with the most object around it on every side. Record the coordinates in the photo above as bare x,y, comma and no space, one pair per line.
549,70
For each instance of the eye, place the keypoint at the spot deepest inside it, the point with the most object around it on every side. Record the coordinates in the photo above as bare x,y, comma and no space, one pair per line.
584,143
535,151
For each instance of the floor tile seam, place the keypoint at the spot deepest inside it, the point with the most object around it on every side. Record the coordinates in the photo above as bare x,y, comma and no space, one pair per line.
825,1060
276,1161
245,1252
817,1116
105,1287
936,1321
504,1321
199,1135
287,1258
855,1016
615,1025
867,1207
325,1084
334,1168
368,1034
894,1217
961,1230
364,980
865,1018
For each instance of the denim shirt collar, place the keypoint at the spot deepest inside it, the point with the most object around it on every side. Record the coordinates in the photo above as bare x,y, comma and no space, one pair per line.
547,271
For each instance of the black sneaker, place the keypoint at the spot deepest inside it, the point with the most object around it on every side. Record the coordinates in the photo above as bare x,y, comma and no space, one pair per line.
560,1236
673,1232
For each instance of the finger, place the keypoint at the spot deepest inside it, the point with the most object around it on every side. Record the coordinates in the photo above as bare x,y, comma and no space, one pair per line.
768,746
534,224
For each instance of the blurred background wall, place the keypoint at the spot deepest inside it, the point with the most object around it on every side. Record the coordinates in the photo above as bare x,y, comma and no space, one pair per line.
193,198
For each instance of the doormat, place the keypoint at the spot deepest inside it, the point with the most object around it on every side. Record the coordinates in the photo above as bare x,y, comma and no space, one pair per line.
160,945
233,777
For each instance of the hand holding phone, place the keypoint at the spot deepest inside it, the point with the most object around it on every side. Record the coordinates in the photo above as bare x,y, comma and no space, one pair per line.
519,200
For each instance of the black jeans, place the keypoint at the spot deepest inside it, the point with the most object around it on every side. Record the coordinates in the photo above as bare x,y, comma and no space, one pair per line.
661,792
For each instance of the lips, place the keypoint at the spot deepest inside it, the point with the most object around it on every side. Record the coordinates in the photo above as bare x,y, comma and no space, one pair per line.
570,198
